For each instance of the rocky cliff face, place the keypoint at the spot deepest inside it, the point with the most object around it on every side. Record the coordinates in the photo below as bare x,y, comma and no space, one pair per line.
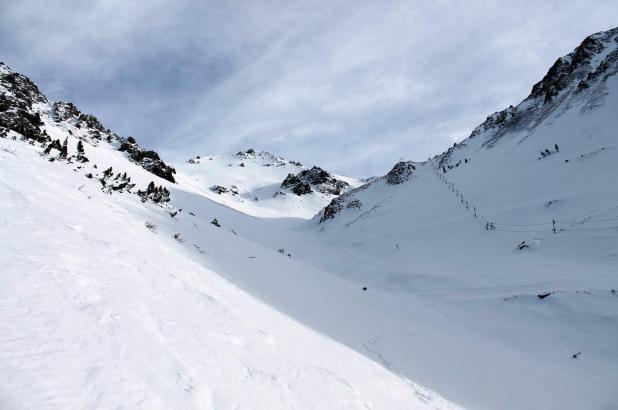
18,97
22,105
315,178
578,76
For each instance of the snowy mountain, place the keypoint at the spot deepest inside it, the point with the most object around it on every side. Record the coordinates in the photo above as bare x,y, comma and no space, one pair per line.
526,207
262,184
112,294
487,273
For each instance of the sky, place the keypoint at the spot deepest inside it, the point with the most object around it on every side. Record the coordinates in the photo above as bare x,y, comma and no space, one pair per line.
352,86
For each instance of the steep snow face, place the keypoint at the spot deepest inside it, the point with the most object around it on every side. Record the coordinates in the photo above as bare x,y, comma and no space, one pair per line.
104,305
528,205
256,183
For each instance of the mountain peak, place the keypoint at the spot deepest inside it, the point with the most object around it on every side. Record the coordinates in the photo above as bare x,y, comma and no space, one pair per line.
577,65
575,79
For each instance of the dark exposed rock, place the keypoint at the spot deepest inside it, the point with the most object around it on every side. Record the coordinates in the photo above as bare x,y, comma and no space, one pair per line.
332,209
20,88
149,160
290,181
316,177
302,188
296,185
250,153
347,200
560,75
218,189
17,96
355,203
67,112
401,172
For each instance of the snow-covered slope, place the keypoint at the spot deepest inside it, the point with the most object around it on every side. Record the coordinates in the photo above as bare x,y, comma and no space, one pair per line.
110,299
252,182
446,272
470,234
100,310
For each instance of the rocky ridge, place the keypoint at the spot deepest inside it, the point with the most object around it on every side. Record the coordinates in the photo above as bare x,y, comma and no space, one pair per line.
22,105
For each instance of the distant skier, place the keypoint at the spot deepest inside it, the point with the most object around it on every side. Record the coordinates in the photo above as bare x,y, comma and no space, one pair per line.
557,147
548,152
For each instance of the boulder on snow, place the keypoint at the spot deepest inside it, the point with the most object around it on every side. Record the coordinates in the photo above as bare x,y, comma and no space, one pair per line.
218,189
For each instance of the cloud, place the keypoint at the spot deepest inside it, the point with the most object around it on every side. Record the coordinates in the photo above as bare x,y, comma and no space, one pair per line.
352,86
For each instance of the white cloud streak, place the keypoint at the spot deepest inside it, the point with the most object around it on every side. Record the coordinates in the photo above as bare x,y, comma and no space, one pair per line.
352,86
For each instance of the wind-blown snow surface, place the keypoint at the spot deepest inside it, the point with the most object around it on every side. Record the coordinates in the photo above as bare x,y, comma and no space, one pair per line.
98,311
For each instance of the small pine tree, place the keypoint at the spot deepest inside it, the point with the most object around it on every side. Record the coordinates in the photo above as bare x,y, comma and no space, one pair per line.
81,154
80,148
48,148
64,151
55,144
155,193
